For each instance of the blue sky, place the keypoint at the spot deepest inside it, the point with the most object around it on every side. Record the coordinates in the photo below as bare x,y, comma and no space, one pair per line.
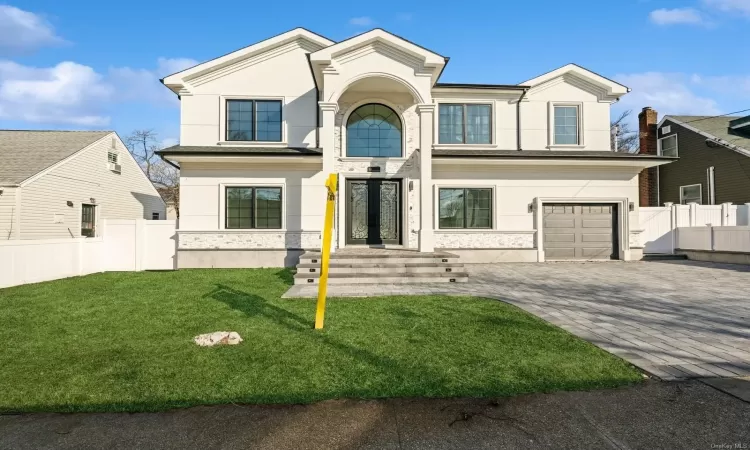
95,65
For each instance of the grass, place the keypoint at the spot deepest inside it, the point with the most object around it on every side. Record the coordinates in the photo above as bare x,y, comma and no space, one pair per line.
123,342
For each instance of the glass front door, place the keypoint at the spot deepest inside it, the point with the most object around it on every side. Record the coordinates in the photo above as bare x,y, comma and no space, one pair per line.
373,212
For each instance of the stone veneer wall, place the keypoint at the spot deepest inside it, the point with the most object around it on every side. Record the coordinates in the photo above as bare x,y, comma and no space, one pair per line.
248,240
488,239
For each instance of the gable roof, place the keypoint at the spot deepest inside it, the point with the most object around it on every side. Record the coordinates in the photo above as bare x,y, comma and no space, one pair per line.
25,153
176,80
609,88
715,128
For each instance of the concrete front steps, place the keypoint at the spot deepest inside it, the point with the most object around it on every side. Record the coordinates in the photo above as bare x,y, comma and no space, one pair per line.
376,266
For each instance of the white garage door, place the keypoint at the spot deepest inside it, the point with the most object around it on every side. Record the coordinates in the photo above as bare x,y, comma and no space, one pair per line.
579,231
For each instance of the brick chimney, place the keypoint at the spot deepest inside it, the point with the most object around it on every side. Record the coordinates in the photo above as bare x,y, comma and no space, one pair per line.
647,187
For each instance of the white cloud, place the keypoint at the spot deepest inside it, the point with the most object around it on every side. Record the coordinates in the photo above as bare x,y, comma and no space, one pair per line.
730,6
23,31
736,86
67,93
676,16
668,93
74,94
363,21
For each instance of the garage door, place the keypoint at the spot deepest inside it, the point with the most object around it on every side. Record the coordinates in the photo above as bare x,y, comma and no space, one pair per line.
579,231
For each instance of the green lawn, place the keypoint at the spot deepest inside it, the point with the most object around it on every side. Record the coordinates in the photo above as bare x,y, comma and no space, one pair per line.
123,342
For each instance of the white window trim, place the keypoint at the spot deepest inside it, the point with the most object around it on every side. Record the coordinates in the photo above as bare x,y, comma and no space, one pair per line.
676,144
551,126
666,129
436,205
460,101
223,202
223,122
700,189
342,156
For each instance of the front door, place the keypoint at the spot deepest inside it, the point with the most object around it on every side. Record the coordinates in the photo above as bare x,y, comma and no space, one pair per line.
373,212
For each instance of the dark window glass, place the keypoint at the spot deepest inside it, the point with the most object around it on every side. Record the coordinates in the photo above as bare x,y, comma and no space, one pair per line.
465,208
254,120
88,220
464,124
373,130
155,216
253,207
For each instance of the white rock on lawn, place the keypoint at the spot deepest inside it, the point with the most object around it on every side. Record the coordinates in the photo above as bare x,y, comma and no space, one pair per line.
218,338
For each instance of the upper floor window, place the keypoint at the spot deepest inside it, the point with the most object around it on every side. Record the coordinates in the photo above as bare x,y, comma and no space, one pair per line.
254,120
566,123
464,124
373,130
668,146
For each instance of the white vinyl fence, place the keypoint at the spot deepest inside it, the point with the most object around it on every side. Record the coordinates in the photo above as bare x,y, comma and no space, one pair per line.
659,225
124,245
717,239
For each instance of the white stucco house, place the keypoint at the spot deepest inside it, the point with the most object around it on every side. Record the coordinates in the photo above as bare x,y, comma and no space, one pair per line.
506,172
62,184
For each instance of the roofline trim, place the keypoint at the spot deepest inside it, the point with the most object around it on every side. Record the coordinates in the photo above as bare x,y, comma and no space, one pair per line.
515,87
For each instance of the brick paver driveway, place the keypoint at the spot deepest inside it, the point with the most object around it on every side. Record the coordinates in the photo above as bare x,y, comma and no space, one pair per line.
673,319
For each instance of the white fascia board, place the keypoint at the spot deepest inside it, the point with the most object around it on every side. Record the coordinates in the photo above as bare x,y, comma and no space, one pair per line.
325,55
251,159
176,80
613,88
637,164
729,145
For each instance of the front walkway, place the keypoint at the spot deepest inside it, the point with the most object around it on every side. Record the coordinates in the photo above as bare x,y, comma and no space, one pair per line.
673,319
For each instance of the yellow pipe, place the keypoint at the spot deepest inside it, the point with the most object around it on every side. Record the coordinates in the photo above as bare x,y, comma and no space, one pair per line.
320,311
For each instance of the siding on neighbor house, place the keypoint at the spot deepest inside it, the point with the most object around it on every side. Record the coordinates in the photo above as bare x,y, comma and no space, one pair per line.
8,213
731,169
127,195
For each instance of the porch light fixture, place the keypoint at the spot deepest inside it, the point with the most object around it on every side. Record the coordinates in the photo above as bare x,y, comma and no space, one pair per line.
531,207
69,203
411,186
631,206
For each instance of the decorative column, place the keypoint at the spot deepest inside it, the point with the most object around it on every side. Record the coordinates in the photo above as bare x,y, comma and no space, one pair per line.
328,112
426,113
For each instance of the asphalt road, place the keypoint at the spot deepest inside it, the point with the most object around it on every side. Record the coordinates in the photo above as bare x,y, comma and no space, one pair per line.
689,414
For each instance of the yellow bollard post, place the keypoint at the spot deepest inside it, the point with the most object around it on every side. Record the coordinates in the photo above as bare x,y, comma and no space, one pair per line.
320,311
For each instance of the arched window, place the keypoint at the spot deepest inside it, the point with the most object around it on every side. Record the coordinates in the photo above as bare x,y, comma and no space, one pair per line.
373,130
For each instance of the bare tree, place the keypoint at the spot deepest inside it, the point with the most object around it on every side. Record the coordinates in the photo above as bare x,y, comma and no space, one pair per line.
627,139
143,145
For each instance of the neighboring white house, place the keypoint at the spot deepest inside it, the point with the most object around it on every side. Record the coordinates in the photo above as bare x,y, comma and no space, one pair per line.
491,172
60,184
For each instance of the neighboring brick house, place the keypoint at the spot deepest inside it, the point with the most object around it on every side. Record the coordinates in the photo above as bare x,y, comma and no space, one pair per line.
713,165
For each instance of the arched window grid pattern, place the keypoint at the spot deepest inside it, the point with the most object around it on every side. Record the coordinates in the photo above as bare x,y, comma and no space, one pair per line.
374,130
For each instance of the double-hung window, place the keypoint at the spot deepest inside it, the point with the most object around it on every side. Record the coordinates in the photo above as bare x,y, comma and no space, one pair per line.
691,194
254,120
464,124
253,207
566,125
88,220
668,146
465,208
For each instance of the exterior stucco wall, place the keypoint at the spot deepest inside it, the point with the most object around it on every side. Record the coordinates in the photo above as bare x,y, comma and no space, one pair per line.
535,117
282,74
202,196
516,187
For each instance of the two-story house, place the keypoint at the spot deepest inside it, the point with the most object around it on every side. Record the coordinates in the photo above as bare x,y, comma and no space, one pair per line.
506,172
